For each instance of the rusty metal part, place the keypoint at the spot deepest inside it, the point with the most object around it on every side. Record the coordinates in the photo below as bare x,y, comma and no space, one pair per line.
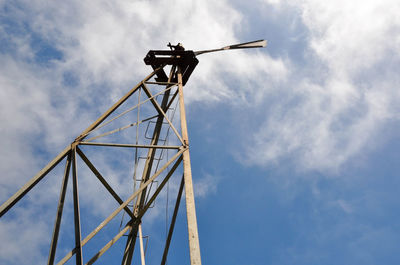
186,60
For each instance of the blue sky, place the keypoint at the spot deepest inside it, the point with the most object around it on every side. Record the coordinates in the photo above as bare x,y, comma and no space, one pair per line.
294,147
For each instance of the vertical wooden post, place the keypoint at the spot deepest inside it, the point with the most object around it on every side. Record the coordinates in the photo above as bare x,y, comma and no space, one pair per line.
194,245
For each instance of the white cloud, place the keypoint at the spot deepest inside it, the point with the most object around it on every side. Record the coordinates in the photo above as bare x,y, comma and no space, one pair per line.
342,99
16,239
345,206
206,185
352,36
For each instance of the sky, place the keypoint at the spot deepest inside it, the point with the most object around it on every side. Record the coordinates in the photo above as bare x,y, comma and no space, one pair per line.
294,147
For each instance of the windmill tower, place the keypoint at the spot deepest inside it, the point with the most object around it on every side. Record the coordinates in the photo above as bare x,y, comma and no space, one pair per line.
151,112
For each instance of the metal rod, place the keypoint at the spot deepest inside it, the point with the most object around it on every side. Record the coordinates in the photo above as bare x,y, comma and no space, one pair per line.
33,181
116,105
120,129
172,99
131,243
77,221
136,142
60,207
126,202
194,245
160,110
141,245
142,212
132,145
245,45
108,245
159,188
172,225
125,112
161,83
102,180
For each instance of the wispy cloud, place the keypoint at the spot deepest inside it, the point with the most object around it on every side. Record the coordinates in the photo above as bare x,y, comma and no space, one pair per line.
348,91
206,185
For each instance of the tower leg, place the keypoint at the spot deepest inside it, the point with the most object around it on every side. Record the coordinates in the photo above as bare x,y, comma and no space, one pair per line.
60,208
194,245
77,218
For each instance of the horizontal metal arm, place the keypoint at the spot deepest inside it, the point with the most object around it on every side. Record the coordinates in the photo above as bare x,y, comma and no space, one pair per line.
245,45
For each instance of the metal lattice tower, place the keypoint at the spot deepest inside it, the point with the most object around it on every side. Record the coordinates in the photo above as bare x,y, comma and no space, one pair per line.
159,149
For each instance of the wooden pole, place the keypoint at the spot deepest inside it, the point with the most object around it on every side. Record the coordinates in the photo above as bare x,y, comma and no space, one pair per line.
194,245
